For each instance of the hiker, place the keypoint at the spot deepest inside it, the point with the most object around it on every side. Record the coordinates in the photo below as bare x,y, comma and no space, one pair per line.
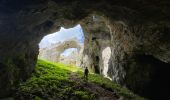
86,71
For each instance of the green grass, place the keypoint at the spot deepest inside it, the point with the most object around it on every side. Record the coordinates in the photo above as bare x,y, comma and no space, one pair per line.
49,81
112,86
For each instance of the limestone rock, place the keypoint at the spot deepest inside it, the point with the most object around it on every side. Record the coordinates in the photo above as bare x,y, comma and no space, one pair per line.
128,27
53,52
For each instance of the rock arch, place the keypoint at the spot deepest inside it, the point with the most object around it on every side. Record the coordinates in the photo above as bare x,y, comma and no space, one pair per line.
131,27
53,54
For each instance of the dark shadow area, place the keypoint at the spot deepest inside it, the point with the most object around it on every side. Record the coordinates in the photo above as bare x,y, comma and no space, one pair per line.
96,69
149,77
93,38
159,86
5,82
96,66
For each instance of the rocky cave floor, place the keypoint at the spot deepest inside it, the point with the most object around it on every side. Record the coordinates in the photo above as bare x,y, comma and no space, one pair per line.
55,81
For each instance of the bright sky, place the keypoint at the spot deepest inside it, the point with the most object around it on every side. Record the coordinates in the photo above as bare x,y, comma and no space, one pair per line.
67,52
62,35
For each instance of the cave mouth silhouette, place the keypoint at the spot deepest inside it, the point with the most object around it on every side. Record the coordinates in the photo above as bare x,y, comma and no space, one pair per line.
158,74
52,46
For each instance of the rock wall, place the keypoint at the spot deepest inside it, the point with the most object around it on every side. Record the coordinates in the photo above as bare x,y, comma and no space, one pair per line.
128,27
130,46
53,52
95,41
22,26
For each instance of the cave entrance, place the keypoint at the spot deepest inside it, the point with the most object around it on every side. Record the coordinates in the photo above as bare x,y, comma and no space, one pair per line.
106,54
64,46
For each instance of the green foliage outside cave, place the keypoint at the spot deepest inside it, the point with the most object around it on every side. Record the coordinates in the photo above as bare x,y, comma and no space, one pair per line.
50,81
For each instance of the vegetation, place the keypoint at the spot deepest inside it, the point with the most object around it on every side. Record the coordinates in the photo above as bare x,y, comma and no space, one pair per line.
111,86
50,81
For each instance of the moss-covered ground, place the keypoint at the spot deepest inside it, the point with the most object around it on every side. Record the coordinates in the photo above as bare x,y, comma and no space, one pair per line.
53,81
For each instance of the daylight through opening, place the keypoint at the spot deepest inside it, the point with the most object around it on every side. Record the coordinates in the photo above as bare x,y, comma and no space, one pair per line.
65,46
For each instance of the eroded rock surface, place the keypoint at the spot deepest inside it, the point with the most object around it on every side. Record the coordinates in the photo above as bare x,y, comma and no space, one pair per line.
128,27
53,52
133,61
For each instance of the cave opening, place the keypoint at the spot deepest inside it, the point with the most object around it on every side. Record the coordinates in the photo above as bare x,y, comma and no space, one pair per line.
151,77
69,56
128,27
96,65
64,46
106,54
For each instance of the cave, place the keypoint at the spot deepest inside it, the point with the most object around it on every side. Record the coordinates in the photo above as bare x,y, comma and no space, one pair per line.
96,65
61,45
93,38
153,70
137,32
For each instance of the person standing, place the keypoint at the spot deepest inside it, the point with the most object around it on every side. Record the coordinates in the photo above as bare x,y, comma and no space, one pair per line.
86,72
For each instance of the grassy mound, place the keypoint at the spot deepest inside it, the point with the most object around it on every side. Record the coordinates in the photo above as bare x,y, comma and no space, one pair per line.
50,81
